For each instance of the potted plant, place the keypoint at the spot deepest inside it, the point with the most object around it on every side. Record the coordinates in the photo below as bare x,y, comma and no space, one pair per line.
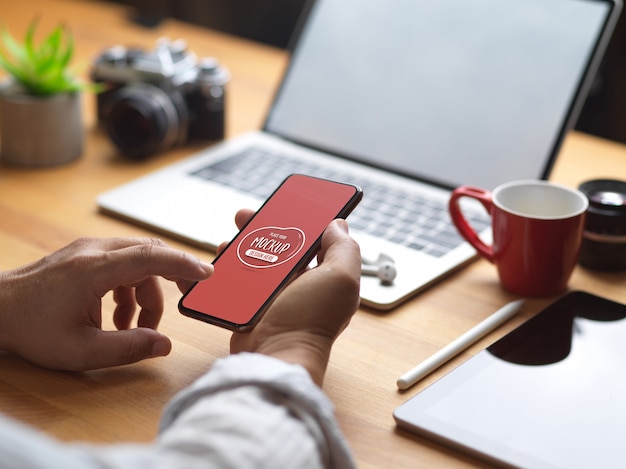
40,103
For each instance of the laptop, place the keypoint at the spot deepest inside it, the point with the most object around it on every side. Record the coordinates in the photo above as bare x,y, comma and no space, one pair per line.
408,99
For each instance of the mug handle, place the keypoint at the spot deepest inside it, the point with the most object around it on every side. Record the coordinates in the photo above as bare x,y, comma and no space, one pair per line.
465,229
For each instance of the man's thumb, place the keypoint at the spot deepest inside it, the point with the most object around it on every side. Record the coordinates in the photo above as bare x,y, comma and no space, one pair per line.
112,348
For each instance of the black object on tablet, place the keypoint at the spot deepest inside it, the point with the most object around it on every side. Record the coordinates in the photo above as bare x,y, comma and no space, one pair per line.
550,394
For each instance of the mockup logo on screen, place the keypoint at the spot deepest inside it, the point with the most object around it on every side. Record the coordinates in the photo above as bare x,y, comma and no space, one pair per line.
270,246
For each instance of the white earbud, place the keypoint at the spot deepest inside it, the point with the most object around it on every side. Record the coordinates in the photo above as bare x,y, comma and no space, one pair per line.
384,268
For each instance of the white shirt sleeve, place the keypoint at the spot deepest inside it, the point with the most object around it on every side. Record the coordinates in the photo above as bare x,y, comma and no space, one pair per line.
248,411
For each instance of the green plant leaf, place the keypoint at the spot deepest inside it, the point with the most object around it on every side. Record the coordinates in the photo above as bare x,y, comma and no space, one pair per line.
29,46
66,55
15,49
51,44
44,54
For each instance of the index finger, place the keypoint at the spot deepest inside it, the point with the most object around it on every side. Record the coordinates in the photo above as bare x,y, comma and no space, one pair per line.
133,264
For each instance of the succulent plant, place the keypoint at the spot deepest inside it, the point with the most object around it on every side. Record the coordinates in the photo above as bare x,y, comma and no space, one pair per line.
41,69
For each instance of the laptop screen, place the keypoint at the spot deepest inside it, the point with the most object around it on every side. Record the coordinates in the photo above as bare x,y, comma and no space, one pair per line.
449,91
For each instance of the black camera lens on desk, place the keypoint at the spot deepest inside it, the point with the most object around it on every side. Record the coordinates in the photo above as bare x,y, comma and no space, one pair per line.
143,120
604,239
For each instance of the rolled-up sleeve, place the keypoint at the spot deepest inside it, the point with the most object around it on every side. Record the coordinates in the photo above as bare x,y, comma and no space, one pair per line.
262,413
248,411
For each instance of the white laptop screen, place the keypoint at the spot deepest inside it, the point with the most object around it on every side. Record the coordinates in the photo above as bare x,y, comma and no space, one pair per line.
450,91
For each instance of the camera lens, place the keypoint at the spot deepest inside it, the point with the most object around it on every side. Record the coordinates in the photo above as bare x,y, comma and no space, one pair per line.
143,120
604,238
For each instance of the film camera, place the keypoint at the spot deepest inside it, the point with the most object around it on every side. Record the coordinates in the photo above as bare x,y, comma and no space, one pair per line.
155,100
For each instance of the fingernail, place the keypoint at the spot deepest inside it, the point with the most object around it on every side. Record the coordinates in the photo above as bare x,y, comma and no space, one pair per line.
206,267
343,224
161,348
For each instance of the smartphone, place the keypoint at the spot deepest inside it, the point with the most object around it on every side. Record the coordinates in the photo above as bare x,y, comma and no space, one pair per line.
278,242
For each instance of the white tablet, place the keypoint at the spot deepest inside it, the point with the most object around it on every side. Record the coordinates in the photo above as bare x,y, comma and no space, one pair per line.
550,394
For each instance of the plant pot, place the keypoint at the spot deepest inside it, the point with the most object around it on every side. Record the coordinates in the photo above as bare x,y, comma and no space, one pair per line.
40,131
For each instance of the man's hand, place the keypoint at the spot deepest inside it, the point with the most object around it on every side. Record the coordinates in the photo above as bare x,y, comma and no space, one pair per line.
303,322
50,311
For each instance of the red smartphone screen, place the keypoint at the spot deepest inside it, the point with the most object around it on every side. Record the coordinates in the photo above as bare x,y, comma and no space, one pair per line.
281,238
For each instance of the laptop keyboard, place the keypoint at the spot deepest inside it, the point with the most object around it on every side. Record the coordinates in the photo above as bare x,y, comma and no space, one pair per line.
386,212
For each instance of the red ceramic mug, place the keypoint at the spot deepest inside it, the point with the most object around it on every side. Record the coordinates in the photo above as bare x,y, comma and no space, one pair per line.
537,231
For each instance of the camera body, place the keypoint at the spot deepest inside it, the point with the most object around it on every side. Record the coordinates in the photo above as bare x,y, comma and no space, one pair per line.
155,100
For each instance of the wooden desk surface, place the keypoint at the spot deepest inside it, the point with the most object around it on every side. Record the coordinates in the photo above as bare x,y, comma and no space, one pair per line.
42,210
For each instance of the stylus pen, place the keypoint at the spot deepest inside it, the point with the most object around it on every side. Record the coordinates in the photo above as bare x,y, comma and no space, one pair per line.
455,347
